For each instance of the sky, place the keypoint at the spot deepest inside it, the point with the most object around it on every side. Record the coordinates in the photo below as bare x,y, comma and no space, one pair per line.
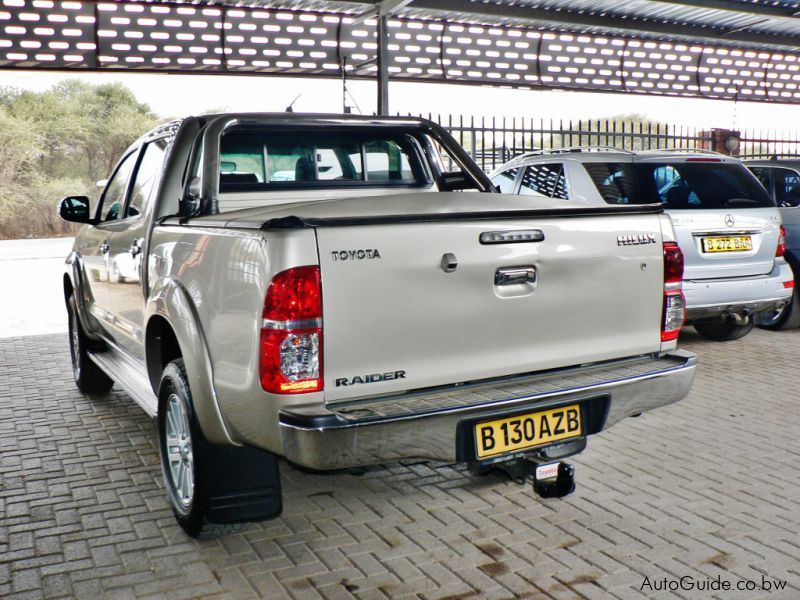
180,95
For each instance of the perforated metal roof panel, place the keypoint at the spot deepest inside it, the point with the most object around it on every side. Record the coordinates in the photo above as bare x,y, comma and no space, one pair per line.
575,47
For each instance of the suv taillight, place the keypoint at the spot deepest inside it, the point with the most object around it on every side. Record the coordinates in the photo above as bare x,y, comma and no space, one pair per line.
674,310
291,333
781,249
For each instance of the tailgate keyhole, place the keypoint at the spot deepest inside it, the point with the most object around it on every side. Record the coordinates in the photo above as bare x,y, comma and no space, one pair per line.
449,262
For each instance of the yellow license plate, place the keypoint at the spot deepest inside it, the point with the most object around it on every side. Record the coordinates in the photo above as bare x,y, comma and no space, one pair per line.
738,243
527,431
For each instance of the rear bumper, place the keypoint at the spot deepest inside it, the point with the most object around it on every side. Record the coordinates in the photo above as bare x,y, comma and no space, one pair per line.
434,424
738,295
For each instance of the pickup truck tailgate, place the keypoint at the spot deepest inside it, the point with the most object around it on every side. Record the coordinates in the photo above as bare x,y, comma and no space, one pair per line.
398,317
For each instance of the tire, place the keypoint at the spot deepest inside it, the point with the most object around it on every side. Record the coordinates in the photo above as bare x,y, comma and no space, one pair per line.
212,489
89,378
784,318
724,329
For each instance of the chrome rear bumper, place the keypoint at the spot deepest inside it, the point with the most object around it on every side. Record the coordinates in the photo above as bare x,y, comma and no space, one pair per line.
744,309
738,295
433,424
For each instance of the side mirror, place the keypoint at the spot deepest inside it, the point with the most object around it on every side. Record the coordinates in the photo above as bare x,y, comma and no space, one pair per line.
75,209
456,180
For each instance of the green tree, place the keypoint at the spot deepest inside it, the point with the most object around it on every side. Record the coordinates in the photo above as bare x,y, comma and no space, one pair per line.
60,142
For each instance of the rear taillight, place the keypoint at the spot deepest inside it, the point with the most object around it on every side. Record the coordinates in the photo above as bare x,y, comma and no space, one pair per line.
674,310
781,249
291,333
673,264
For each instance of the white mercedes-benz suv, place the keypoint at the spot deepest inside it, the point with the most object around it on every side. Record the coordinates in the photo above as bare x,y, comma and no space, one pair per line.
727,225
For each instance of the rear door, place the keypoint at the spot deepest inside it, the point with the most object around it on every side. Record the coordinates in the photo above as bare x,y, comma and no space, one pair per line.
415,305
126,244
726,223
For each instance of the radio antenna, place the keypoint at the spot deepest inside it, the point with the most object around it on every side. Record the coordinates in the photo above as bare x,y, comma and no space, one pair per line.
289,108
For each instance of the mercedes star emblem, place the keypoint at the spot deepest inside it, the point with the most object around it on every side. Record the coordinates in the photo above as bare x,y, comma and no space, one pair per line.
729,221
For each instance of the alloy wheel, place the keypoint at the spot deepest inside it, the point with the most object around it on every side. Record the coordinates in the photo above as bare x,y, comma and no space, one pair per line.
178,445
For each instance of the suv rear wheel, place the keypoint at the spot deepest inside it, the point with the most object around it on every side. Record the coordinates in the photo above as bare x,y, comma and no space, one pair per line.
723,329
786,317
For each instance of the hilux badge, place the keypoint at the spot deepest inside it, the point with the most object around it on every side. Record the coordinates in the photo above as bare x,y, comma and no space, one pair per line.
636,239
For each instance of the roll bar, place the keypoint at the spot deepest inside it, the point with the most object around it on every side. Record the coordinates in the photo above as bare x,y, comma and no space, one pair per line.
206,148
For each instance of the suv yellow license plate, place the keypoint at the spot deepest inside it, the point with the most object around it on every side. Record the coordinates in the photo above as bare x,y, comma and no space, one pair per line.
521,432
738,243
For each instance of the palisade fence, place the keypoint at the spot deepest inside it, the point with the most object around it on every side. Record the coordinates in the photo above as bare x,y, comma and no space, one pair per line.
491,141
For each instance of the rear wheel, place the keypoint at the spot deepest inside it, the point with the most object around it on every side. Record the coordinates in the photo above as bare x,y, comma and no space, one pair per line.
723,329
212,489
787,317
89,378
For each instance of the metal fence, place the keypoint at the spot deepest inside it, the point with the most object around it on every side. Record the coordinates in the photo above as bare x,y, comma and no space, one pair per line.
492,141
759,144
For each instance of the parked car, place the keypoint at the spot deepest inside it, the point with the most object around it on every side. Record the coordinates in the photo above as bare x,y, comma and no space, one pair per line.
363,318
781,177
728,228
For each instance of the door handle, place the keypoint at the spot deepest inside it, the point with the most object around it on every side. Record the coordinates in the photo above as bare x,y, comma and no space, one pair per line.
104,248
515,275
136,249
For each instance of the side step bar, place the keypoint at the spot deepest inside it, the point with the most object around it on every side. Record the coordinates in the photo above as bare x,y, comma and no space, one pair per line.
128,376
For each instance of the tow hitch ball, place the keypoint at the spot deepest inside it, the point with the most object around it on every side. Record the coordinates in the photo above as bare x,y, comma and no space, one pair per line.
556,485
550,480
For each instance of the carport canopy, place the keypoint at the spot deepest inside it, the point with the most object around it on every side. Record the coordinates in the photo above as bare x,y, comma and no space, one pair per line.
723,49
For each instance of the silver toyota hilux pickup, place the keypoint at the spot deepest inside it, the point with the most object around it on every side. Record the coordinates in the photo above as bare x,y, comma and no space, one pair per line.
321,288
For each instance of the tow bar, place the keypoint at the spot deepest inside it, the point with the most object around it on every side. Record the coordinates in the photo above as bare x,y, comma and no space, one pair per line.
550,480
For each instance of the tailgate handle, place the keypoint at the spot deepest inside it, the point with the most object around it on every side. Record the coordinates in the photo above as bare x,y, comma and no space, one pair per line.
515,275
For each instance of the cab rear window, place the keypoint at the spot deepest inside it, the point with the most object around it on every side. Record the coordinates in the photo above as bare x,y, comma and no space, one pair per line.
251,160
679,185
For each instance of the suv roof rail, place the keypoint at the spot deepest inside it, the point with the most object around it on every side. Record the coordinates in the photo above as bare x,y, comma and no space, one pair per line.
570,149
691,150
769,155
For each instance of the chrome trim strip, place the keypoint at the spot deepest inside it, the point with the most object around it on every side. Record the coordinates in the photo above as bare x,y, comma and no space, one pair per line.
518,236
302,324
727,232
715,310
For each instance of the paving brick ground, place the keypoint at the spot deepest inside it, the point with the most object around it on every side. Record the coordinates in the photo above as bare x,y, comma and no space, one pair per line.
704,488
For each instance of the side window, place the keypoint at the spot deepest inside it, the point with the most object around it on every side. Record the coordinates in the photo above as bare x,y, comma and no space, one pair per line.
614,181
544,180
114,197
505,180
146,177
787,188
762,174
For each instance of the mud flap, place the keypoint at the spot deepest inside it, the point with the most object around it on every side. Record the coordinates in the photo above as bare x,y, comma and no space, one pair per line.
242,484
